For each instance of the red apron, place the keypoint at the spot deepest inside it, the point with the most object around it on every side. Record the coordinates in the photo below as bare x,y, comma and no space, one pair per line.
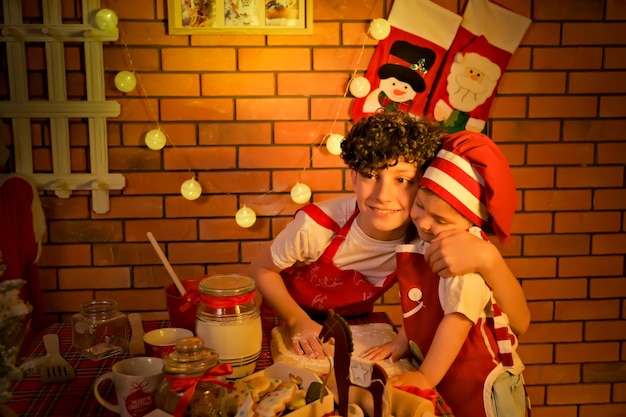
466,387
320,286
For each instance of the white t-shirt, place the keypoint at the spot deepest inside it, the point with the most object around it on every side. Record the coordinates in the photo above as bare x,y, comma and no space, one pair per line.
304,240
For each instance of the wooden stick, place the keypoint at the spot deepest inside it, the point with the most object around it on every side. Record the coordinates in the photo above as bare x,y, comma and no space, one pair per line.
166,263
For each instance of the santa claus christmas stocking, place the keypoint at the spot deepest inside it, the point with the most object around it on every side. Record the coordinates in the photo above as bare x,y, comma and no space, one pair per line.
404,65
476,60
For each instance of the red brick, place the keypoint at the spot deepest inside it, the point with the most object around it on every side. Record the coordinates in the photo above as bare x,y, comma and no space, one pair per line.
528,267
76,207
536,353
560,9
198,59
551,411
589,82
555,106
525,130
327,180
312,84
132,159
612,107
542,34
65,255
124,254
541,310
552,374
274,59
587,352
163,230
614,57
131,59
147,33
611,199
577,222
330,108
579,394
77,231
272,108
555,289
94,278
557,200
204,206
157,276
589,177
606,244
341,59
238,84
567,58
509,107
569,244
587,310
227,229
345,10
593,33
168,84
324,33
202,252
273,157
239,181
561,154
533,177
607,287
591,266
197,109
532,82
594,130
238,133
593,410
206,157
133,207
305,132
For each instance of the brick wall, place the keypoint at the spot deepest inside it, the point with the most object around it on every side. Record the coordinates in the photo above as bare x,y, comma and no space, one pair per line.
246,114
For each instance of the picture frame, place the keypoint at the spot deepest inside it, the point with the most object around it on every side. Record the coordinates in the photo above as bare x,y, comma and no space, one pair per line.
240,17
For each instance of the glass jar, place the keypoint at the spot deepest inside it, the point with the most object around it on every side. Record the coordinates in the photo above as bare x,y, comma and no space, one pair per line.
191,360
99,330
228,320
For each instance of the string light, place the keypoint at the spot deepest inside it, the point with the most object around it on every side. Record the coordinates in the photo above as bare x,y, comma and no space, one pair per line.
359,87
245,217
106,19
155,139
125,81
300,193
379,29
333,143
191,189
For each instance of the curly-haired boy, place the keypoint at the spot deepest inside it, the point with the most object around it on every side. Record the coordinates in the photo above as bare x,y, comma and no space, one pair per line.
340,253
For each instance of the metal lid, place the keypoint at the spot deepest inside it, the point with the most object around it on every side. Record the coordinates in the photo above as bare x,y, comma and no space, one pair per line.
228,285
190,357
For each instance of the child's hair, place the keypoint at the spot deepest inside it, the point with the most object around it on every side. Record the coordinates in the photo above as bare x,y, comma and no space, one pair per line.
383,138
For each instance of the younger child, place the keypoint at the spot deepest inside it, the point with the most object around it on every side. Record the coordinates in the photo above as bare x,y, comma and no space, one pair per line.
453,326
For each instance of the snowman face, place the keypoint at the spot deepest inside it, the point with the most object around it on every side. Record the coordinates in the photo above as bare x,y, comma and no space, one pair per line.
397,90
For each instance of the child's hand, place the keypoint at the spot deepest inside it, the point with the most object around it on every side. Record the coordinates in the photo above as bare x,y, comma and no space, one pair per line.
305,340
390,349
411,379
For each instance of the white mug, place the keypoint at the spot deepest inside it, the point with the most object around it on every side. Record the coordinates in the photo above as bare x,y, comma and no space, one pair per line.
136,382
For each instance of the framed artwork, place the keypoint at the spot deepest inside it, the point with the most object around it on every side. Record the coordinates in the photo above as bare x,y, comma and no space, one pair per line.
224,17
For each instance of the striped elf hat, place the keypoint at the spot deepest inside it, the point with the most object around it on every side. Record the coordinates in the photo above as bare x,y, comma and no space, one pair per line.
472,175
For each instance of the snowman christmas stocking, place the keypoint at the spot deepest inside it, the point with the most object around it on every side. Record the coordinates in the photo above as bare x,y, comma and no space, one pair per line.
404,65
476,60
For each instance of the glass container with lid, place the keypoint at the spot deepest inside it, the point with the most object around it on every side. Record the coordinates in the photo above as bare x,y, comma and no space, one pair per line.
192,366
229,321
99,330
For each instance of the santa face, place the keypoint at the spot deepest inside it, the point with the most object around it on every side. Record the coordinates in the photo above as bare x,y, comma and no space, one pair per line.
397,90
471,81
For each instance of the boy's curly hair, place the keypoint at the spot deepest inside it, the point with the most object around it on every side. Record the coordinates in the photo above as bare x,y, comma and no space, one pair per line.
382,139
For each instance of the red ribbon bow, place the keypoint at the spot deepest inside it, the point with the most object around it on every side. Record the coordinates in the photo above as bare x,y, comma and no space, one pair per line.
188,383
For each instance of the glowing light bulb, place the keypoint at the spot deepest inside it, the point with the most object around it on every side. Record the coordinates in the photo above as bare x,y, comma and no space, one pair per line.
379,29
155,139
333,143
191,189
359,87
106,19
300,193
125,81
245,217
